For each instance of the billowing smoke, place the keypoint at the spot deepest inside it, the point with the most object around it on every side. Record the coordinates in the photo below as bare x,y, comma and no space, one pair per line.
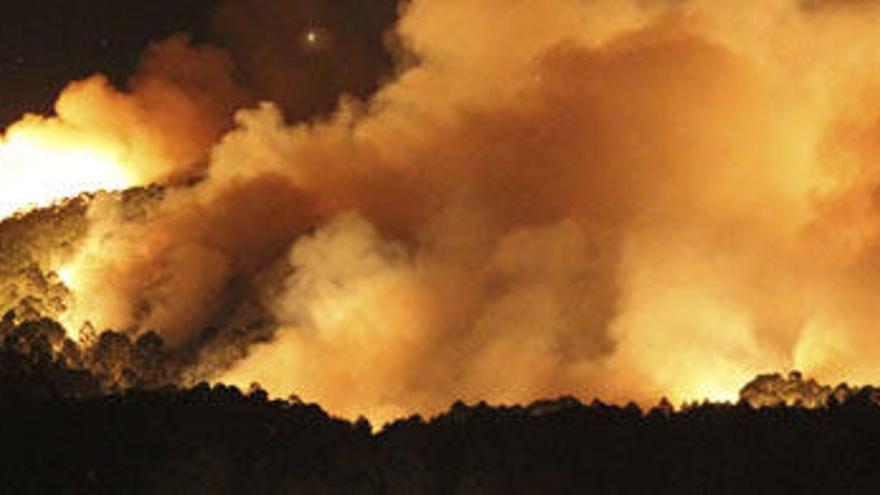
616,199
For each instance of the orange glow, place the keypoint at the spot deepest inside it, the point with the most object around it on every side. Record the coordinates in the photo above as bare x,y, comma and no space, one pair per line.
40,166
67,274
69,277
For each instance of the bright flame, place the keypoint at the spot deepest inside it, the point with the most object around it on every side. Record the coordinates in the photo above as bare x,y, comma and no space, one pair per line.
44,161
720,390
39,166
67,274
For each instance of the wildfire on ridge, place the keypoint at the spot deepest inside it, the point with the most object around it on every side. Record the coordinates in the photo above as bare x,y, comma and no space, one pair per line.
631,209
40,167
42,164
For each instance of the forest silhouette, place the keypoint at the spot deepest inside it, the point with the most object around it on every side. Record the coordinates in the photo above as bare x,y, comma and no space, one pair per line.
109,419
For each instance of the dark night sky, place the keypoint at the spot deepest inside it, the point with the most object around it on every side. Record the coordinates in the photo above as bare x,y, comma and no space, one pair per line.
46,43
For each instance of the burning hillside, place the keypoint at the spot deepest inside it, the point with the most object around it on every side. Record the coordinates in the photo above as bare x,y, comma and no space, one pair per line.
623,200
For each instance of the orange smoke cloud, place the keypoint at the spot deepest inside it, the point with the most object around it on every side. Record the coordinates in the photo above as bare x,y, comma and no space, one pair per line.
614,199
569,230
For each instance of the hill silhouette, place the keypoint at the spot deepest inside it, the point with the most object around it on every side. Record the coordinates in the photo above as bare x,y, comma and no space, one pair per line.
109,419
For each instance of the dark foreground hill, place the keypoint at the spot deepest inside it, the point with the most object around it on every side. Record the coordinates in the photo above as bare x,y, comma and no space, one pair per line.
220,441
103,421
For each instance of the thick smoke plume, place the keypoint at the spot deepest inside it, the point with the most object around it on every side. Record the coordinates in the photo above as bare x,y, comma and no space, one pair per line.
616,199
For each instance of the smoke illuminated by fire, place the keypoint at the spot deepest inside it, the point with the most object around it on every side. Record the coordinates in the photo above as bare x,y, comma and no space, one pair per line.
622,199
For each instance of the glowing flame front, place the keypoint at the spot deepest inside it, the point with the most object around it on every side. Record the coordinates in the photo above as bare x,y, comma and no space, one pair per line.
39,168
46,160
